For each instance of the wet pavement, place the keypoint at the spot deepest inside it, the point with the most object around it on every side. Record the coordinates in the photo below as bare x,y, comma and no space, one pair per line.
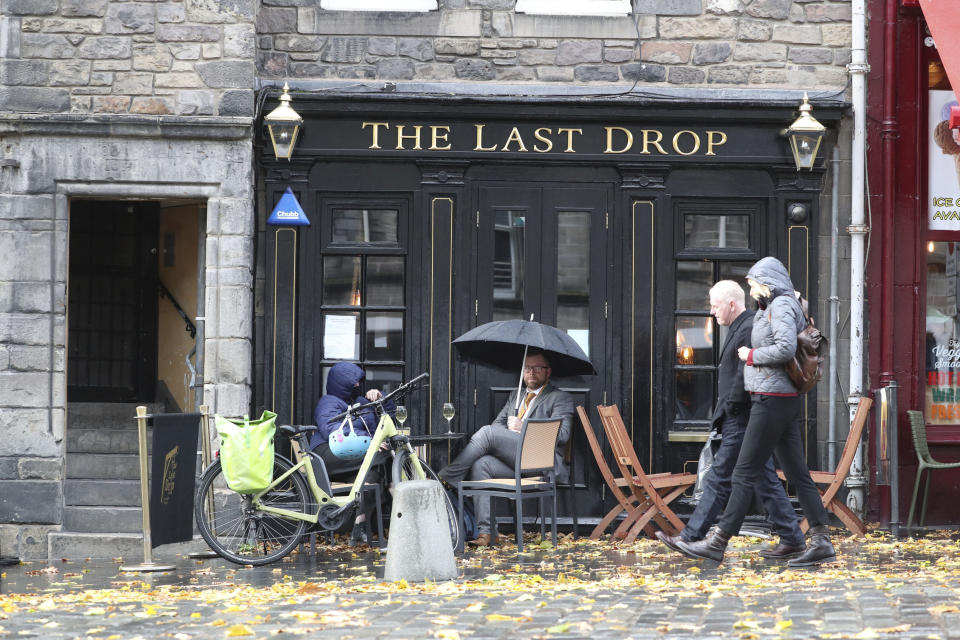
879,588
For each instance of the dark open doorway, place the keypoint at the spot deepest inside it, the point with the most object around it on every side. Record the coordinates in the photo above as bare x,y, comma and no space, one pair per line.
134,296
112,315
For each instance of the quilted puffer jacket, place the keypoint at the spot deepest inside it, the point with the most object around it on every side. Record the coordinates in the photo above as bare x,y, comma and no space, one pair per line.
775,330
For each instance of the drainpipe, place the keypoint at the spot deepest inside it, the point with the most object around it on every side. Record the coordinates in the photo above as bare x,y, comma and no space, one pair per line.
858,67
834,303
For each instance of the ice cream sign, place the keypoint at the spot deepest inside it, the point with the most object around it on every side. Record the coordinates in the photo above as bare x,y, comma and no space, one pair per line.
943,162
288,212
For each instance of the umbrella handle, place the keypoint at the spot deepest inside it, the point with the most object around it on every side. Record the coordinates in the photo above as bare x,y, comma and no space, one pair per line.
516,407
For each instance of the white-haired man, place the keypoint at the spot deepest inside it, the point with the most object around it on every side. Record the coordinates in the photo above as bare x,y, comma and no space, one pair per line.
730,417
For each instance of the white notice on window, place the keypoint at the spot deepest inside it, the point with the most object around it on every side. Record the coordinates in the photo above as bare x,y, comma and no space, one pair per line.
339,337
582,338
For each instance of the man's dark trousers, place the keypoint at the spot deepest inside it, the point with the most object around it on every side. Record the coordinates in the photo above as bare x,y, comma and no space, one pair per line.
717,483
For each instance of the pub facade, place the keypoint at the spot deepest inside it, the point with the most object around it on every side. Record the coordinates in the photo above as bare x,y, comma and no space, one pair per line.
610,221
596,165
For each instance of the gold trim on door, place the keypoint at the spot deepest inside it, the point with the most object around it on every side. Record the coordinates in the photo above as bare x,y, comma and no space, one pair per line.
433,273
293,323
633,321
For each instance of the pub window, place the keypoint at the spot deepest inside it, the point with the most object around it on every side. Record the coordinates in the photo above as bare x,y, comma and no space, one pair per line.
379,5
715,243
698,339
575,7
364,291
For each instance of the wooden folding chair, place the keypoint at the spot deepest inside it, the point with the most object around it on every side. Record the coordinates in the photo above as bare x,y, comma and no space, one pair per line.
653,492
834,479
626,503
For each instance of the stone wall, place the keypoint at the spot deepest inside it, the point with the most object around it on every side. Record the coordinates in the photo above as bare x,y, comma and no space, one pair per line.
183,57
762,43
47,161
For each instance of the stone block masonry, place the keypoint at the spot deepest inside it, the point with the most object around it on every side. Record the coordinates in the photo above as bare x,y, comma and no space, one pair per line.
191,58
157,58
690,43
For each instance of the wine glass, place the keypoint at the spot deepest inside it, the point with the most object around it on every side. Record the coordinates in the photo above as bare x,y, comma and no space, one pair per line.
401,416
448,413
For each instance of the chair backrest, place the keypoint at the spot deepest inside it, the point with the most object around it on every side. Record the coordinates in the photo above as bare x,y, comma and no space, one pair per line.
622,447
538,442
597,451
853,437
918,426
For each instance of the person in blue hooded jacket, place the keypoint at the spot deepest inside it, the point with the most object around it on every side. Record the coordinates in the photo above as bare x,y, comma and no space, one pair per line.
344,388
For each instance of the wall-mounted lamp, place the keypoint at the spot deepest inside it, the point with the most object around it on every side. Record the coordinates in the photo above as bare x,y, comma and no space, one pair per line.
284,125
805,135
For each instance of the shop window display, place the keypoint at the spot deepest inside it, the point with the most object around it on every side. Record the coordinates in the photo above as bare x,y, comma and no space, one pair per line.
942,348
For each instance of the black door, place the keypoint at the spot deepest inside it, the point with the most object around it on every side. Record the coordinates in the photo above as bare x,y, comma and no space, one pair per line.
539,249
112,340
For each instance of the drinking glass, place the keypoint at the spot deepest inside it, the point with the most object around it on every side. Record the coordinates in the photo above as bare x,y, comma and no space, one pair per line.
448,413
401,416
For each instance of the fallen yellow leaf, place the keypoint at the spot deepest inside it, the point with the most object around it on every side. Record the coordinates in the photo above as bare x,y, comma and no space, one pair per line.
238,630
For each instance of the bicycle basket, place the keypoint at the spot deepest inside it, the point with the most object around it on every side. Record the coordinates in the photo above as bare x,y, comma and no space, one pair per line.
347,444
246,451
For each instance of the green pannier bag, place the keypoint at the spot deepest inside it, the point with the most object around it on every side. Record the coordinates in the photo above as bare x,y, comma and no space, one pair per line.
246,451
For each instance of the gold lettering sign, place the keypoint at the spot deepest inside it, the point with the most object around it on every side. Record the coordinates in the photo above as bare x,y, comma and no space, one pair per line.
614,139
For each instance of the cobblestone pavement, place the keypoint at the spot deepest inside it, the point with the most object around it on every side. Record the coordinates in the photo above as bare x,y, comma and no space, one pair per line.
879,588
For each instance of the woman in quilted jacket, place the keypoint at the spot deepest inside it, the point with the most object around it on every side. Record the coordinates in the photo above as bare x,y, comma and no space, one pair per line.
775,420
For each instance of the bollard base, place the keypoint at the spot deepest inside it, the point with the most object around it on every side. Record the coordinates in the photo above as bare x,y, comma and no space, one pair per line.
6,562
147,566
203,554
419,547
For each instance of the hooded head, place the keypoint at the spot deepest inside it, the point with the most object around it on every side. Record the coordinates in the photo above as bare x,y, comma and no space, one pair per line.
342,381
770,273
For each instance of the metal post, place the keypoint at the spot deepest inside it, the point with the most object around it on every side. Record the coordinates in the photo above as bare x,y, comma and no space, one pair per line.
148,563
206,456
893,430
858,230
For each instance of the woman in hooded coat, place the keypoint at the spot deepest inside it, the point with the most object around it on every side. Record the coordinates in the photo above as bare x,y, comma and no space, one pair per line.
344,382
775,422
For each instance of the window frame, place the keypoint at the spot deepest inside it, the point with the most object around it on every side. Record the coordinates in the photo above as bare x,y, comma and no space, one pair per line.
366,250
599,8
393,6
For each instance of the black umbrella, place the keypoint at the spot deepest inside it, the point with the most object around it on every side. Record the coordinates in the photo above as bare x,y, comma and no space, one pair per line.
504,343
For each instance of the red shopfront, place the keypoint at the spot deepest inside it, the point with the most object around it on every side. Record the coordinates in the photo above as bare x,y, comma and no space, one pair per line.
913,262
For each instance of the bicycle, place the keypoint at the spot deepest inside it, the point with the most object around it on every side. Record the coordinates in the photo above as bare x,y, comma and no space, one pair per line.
257,529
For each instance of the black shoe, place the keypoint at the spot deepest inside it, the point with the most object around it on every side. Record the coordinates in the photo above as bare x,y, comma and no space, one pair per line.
670,541
359,535
819,550
710,548
783,551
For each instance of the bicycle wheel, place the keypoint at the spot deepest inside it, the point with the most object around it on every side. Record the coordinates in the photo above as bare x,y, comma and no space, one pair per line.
237,529
404,470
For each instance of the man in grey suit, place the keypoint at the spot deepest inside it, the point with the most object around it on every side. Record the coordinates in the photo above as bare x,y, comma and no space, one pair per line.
492,450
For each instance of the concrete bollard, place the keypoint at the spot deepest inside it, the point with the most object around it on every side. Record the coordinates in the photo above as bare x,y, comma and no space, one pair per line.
419,547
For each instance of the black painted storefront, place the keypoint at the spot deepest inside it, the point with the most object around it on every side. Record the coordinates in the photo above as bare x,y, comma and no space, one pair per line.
430,216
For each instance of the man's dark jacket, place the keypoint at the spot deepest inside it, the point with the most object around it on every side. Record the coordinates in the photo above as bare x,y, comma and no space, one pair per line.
732,399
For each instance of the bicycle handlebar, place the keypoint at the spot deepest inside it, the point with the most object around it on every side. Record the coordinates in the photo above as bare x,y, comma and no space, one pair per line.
402,390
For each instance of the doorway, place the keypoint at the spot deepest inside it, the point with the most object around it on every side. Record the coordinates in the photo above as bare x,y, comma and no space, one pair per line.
538,250
133,296
112,315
